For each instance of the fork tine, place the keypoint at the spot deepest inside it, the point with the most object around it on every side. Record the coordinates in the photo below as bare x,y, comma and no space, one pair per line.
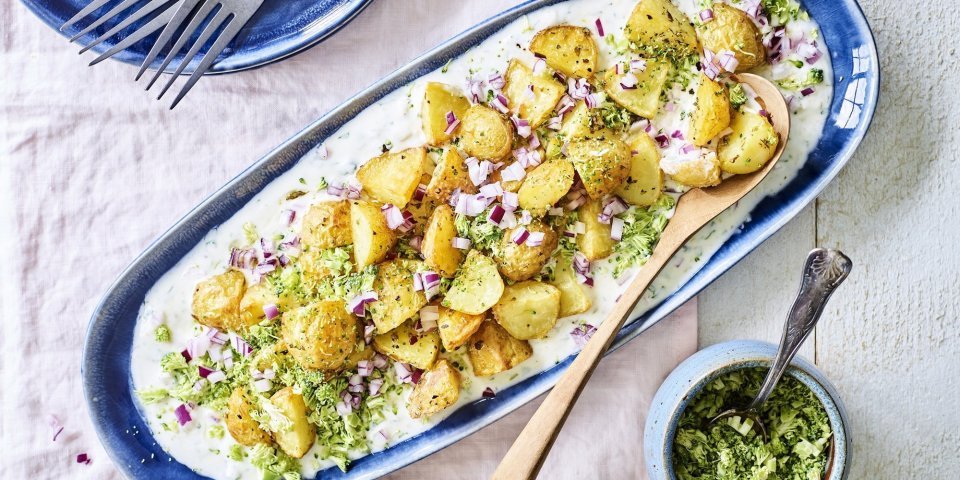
95,4
177,19
233,26
152,26
125,4
148,8
194,24
211,27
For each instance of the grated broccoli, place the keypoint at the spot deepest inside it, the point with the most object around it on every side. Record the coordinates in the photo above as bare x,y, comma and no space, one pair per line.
641,231
814,77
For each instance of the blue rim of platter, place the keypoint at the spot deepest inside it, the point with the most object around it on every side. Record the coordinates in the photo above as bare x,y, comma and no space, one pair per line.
107,381
280,29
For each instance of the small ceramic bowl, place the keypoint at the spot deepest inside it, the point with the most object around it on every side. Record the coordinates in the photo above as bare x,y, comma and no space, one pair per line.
684,383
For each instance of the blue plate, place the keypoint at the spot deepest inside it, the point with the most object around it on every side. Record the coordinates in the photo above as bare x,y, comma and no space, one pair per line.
280,28
106,356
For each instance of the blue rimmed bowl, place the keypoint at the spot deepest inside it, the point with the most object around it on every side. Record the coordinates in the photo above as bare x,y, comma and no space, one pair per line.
688,379
106,356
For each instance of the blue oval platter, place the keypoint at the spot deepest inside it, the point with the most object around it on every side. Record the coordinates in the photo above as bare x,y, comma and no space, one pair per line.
106,356
279,29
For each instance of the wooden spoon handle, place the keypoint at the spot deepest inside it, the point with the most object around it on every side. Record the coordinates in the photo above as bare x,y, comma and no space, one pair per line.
529,451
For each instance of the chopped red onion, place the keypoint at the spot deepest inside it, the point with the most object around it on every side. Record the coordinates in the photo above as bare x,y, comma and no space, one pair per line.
263,385
662,140
555,211
452,122
616,228
85,459
343,408
513,173
525,218
393,215
415,242
519,236
611,207
582,334
374,386
579,88
539,66
807,91
460,243
368,330
379,361
687,148
429,314
677,134
403,371
419,193
510,201
535,239
216,376
496,214
581,264
592,100
478,170
629,81
727,60
523,126
554,123
491,191
358,304
186,354
364,368
489,393
585,279
183,417
531,93
576,202
271,311
500,103
706,15
55,424
565,105
241,346
415,376
534,142
496,81
475,87
204,371
599,27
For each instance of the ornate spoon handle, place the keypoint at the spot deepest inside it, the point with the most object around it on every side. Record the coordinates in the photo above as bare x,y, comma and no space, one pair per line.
823,272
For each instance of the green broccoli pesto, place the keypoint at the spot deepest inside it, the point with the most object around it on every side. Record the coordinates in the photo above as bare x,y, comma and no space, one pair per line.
738,96
797,425
641,230
814,77
162,334
782,11
482,233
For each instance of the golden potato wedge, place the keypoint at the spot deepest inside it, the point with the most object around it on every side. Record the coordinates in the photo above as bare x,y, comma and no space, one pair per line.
437,246
393,176
645,181
437,389
404,344
216,300
595,242
320,336
658,28
485,134
450,174
731,29
711,112
251,305
528,310
242,427
603,164
326,225
372,237
535,108
644,100
299,437
567,49
456,328
545,185
520,262
492,350
477,286
439,100
750,146
573,297
580,123
699,171
398,300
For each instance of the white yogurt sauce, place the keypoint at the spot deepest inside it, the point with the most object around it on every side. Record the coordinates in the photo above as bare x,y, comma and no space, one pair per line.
395,119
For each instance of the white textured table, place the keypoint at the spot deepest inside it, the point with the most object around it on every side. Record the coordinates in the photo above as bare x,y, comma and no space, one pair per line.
890,338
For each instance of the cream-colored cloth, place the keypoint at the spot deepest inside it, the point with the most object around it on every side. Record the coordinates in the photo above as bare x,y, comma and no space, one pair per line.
92,170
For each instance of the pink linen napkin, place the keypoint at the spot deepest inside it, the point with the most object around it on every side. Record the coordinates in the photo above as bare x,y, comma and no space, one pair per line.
92,170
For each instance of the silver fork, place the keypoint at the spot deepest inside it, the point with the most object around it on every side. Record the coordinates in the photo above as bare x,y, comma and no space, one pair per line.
223,18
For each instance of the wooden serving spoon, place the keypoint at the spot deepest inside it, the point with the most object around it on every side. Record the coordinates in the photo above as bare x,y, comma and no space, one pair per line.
694,210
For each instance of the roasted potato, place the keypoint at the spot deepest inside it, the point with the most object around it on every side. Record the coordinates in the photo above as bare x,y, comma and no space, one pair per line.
567,49
393,176
520,262
437,246
545,185
372,237
699,171
485,134
711,112
251,305
297,439
456,328
536,107
644,100
320,336
477,286
645,181
216,300
398,300
528,310
404,344
731,29
595,242
603,164
242,427
492,350
437,389
573,297
438,100
326,225
750,146
658,27
580,123
450,174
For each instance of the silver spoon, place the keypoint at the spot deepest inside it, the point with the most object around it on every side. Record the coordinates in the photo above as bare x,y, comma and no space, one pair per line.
823,272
